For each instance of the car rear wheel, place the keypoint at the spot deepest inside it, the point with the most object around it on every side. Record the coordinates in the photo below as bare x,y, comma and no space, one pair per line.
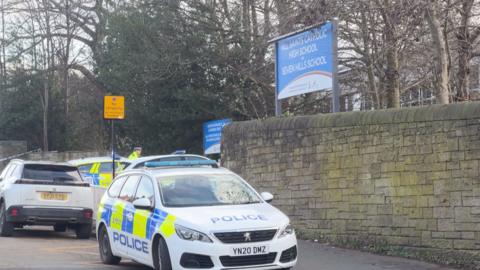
6,228
60,227
83,231
105,249
161,257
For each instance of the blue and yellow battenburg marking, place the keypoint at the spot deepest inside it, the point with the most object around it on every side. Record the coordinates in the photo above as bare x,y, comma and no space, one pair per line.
124,217
100,179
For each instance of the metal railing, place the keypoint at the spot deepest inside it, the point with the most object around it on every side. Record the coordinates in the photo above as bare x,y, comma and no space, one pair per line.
19,155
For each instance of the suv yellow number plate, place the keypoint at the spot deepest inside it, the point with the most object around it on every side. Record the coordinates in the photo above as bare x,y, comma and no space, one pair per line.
53,196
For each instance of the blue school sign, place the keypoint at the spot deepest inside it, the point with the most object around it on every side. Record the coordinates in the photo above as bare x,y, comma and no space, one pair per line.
212,135
304,62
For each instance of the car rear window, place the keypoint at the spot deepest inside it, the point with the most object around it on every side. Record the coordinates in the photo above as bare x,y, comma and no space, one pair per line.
57,173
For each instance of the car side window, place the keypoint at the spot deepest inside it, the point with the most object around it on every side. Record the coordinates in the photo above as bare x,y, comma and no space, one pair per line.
116,187
129,188
105,167
145,190
85,168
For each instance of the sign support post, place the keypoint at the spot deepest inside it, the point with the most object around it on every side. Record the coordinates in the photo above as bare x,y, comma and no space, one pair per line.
335,88
113,149
278,102
113,109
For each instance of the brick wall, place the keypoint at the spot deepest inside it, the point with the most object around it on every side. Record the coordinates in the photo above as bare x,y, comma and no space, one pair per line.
407,178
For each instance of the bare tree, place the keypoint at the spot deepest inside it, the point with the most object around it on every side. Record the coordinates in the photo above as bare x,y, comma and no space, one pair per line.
467,35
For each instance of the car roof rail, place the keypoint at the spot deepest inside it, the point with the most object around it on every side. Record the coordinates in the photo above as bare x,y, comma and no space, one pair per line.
181,163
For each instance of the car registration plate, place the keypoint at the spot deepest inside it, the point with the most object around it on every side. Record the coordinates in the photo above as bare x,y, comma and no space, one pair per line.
249,250
53,196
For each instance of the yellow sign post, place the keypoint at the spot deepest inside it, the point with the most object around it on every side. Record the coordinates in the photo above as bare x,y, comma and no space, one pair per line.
114,107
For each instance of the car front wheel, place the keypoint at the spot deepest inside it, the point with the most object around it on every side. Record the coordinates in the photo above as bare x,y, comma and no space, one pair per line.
161,258
6,228
105,249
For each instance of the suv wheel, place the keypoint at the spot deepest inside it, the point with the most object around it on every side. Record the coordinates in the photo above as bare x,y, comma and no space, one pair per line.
161,258
6,228
105,250
83,231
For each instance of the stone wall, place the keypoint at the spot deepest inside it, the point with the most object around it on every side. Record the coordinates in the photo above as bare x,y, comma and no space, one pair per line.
394,178
10,148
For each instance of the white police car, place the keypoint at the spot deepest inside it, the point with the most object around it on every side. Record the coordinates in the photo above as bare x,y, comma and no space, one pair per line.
187,215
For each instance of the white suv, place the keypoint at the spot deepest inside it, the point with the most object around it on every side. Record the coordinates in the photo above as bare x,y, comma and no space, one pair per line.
44,193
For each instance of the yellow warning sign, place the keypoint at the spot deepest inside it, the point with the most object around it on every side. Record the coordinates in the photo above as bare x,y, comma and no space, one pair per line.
114,107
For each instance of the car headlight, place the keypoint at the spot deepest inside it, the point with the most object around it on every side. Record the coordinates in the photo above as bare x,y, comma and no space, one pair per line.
288,230
191,235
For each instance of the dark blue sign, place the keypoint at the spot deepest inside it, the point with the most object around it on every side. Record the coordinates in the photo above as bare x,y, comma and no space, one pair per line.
212,135
305,62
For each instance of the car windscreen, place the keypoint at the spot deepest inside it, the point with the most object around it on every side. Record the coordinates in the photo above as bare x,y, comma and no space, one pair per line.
48,172
205,190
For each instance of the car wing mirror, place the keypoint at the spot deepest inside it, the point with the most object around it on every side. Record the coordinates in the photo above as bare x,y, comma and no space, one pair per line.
143,203
267,196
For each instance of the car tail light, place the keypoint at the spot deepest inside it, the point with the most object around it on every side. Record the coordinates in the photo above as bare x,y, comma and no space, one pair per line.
14,212
87,213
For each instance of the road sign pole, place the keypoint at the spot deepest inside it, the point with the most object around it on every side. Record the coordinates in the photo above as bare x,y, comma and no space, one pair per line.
113,109
113,148
335,88
278,103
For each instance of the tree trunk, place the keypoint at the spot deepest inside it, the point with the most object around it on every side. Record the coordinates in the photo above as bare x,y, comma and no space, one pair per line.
3,58
392,79
369,61
392,83
464,52
441,53
66,57
45,114
283,10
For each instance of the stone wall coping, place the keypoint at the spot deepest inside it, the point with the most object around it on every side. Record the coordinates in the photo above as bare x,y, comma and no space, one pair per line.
458,111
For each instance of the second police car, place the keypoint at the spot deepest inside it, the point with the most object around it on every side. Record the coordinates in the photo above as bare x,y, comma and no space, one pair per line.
187,215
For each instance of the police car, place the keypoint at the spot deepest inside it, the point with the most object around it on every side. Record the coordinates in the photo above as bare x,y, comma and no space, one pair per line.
99,169
177,156
98,172
191,215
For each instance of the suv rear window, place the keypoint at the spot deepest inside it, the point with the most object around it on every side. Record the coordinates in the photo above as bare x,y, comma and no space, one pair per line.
58,173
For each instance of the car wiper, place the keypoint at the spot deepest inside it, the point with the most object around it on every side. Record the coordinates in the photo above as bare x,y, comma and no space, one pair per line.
249,202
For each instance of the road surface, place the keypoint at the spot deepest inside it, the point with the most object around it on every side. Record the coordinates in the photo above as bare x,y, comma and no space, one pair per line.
41,248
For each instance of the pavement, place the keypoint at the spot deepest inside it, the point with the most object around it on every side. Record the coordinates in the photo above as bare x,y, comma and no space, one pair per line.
42,248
